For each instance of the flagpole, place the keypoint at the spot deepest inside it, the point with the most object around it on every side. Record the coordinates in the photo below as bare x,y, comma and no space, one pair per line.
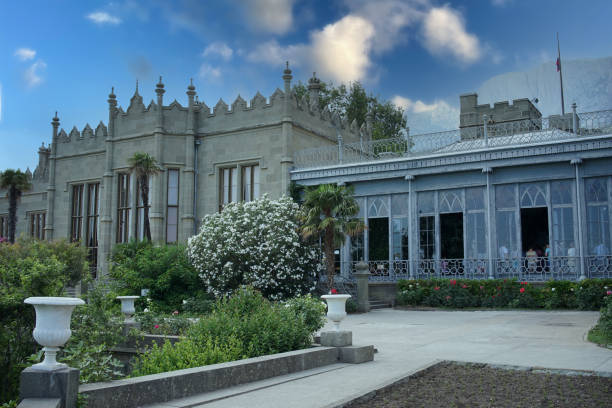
560,74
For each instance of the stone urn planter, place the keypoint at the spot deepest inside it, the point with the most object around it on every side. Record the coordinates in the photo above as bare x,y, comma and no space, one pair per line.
336,308
127,305
52,328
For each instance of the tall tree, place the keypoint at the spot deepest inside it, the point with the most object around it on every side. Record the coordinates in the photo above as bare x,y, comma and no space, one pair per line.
388,120
144,165
16,182
329,211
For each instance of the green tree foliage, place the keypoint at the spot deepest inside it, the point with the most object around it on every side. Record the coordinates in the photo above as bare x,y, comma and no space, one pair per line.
329,212
16,182
29,268
353,102
165,270
144,165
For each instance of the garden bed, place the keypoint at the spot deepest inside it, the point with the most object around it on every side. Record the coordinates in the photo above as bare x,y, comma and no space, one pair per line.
452,384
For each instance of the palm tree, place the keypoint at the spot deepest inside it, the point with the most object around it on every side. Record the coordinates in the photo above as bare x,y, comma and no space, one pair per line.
144,165
16,182
329,212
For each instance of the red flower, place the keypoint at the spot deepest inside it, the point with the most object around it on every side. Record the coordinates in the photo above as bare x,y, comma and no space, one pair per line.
522,290
157,326
334,291
453,282
482,288
493,297
437,288
464,286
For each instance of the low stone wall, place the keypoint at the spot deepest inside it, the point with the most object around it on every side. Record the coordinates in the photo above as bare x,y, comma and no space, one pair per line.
383,291
157,388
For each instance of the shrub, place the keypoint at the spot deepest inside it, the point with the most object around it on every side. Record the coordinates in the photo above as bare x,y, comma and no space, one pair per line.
165,270
153,323
255,243
241,326
29,268
497,293
605,319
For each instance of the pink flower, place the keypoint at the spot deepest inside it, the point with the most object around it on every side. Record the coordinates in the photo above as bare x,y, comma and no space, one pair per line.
448,298
609,292
453,282
157,326
176,312
482,288
522,290
437,288
464,286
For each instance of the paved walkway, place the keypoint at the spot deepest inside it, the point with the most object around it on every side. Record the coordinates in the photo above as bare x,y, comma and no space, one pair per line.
409,340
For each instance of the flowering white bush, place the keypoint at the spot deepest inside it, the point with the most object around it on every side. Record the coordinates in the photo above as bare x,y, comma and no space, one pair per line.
255,243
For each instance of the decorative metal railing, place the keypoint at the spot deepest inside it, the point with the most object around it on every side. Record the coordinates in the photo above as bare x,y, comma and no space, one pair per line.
599,266
529,131
533,269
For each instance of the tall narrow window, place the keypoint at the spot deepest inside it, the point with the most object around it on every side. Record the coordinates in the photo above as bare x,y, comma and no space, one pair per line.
3,226
140,208
123,208
172,214
76,227
227,187
37,225
598,219
250,182
91,242
426,237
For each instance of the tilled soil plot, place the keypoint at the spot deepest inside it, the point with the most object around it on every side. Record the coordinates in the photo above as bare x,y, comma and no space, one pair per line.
476,385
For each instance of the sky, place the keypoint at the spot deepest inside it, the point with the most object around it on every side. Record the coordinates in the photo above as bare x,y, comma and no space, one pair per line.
66,55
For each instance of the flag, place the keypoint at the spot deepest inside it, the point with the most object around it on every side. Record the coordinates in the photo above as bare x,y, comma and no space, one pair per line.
558,64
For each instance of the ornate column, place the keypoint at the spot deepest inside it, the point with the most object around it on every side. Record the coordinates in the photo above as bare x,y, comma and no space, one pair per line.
187,180
287,133
410,178
156,215
106,236
51,186
579,217
488,171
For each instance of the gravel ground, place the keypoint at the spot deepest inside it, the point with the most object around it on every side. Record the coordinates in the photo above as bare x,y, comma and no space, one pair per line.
476,385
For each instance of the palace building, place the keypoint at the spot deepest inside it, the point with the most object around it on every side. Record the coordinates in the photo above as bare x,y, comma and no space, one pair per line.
83,189
509,194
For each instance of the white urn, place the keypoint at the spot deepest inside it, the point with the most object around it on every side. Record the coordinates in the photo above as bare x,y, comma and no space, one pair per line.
52,328
336,308
127,305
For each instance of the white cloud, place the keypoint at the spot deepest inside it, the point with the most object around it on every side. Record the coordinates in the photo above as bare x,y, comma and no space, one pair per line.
425,117
25,54
342,49
32,74
271,52
272,16
444,33
219,48
207,71
102,17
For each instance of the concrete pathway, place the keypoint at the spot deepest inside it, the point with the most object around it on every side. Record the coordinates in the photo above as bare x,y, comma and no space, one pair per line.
409,340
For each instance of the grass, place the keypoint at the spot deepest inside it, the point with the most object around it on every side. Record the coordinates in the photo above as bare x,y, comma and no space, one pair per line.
596,335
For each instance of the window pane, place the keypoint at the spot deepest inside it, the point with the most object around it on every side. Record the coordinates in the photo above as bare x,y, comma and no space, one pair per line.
533,195
505,196
450,201
377,207
598,229
255,182
596,190
506,234
173,186
476,236
563,231
357,248
474,198
172,232
426,237
378,239
246,183
399,204
561,192
361,203
234,181
425,202
400,238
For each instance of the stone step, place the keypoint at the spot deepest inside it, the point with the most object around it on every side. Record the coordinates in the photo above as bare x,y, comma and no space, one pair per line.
379,304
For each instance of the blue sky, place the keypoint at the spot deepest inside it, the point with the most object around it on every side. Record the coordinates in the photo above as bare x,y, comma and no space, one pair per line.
66,55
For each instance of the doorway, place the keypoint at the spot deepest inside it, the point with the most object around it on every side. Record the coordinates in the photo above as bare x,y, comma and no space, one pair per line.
451,236
534,229
378,239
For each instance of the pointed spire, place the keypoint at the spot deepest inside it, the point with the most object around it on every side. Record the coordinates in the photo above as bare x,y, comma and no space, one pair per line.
136,93
287,77
55,122
159,90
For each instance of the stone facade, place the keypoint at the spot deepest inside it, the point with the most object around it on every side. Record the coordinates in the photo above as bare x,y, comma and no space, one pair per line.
76,184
